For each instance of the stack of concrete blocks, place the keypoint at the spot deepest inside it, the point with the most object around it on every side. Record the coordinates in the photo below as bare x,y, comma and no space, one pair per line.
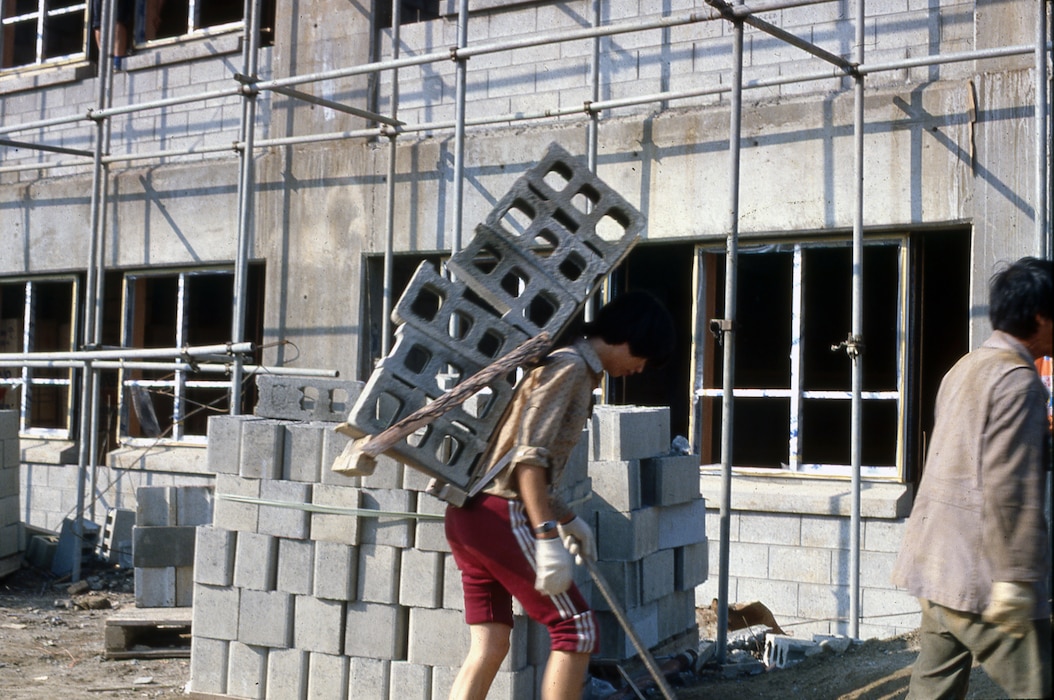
10,520
531,267
299,593
166,522
649,520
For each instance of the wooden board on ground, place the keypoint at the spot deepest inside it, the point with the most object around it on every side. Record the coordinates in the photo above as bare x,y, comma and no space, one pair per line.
148,633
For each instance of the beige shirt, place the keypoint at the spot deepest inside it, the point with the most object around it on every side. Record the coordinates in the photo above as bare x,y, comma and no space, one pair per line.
545,419
978,517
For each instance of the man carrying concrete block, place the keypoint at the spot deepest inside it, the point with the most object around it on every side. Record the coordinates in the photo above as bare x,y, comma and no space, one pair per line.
516,538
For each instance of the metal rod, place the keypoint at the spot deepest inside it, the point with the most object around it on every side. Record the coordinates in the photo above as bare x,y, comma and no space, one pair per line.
616,608
338,106
729,338
1042,186
246,196
121,353
49,149
168,367
461,81
856,334
387,293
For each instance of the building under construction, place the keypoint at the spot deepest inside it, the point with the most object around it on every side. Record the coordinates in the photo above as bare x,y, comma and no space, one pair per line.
828,187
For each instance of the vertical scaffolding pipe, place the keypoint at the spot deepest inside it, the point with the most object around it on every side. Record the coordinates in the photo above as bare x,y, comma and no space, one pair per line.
1043,242
728,338
852,347
459,128
389,214
246,185
593,128
87,415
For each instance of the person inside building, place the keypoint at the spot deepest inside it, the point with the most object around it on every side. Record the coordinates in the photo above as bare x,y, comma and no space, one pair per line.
517,538
124,17
975,549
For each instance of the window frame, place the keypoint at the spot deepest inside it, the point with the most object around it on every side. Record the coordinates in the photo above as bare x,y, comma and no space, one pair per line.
707,382
25,380
45,19
180,382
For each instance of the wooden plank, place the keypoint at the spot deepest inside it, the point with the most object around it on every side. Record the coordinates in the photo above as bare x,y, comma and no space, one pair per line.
148,633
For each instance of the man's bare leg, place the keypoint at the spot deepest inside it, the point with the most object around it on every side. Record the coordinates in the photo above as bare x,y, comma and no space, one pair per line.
488,647
565,675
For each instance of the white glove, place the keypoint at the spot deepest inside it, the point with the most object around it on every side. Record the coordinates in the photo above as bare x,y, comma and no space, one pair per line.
1011,608
578,539
552,566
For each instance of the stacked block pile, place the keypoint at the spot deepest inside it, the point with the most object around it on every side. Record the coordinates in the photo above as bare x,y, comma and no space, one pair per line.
300,593
10,518
166,521
649,521
530,268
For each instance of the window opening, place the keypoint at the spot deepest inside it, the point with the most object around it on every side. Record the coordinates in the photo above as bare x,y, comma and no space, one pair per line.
793,393
410,11
664,270
176,309
36,31
38,316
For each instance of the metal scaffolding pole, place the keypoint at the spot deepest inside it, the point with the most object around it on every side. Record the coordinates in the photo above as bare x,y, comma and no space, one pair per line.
389,215
460,85
246,193
1042,172
728,337
855,341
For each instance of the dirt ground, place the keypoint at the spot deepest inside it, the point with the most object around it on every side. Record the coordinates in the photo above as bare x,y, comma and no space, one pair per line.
52,647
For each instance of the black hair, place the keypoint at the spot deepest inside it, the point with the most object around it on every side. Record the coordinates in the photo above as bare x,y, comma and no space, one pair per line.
1018,293
639,319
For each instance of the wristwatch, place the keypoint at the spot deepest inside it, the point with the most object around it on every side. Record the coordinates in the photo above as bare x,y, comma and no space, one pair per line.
545,528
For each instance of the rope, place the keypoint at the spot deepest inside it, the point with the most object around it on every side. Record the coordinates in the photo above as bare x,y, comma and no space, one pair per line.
332,510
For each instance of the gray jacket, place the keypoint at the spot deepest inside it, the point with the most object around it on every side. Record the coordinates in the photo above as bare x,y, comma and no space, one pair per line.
978,516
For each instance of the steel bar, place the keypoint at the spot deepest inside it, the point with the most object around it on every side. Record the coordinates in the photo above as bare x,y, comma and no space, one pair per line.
210,368
48,149
460,88
122,353
856,333
728,339
338,106
246,196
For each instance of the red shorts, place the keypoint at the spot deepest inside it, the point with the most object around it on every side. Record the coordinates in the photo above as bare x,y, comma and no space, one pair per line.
493,546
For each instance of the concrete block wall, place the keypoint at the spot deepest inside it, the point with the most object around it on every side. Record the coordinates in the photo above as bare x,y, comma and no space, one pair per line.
789,549
163,543
10,518
203,65
698,56
325,601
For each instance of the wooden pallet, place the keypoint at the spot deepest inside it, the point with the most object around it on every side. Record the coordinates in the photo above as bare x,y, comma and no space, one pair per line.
148,633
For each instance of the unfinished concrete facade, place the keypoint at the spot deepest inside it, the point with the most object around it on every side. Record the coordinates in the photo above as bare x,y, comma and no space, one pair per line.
299,247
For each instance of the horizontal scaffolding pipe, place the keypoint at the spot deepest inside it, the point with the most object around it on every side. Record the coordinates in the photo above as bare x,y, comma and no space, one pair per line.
586,109
165,367
121,353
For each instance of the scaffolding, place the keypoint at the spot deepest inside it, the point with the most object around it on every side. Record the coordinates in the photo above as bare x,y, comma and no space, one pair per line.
247,87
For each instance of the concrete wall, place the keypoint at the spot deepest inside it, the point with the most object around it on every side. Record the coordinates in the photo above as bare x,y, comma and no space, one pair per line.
790,549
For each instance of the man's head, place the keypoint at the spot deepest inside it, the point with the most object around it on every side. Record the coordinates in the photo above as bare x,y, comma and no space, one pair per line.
1020,293
638,320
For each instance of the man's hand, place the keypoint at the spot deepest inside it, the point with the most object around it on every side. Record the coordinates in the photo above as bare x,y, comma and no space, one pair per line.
1011,607
553,566
578,539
